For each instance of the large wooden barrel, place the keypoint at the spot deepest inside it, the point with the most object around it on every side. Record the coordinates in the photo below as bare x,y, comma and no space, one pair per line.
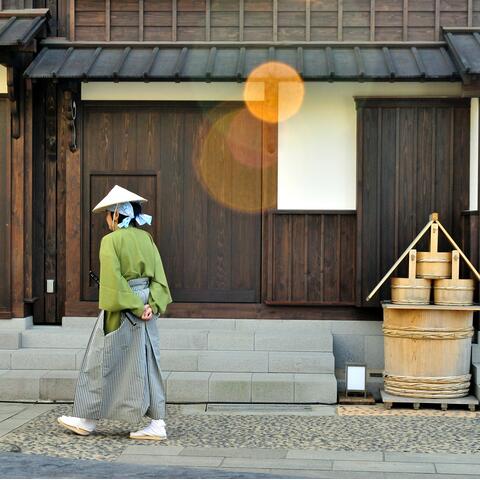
427,351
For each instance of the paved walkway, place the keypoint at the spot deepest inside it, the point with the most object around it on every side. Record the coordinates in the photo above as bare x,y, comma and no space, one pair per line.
245,441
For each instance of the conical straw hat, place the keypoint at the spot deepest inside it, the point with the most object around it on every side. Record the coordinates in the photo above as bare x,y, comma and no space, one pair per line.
118,195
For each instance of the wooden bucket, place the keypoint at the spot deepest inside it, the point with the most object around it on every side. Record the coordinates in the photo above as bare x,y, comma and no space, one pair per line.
434,264
414,291
453,292
427,351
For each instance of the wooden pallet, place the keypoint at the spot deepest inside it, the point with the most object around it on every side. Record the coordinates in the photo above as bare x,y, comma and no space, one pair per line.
389,400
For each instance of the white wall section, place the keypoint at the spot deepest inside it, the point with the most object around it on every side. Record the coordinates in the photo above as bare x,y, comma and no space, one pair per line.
3,79
201,91
474,111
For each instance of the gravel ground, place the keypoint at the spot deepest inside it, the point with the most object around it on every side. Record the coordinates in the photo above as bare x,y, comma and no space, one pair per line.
355,430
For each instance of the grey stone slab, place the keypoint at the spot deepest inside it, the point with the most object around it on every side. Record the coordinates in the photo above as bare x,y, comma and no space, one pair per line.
354,327
44,359
179,360
178,339
188,387
458,468
374,353
55,337
228,361
476,373
289,463
196,323
193,409
6,359
301,362
79,322
272,388
79,358
475,353
313,388
17,324
10,340
397,467
58,385
153,449
21,384
348,348
168,460
336,455
34,410
432,457
317,340
230,387
228,340
234,452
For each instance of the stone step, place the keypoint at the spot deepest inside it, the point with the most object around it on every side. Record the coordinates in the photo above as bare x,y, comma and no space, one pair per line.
10,340
238,361
59,385
316,340
248,387
46,359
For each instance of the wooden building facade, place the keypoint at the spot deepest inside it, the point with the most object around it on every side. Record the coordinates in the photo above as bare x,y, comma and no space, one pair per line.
143,93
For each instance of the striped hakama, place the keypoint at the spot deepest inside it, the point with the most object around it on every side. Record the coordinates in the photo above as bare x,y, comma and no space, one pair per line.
120,376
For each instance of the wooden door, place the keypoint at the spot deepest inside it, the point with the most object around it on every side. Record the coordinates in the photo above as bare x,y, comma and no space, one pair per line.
413,159
210,247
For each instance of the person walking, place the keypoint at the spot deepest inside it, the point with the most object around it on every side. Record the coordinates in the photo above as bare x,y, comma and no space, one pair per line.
120,377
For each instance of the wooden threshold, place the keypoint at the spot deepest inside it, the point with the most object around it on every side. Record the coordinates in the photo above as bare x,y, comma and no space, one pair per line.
245,310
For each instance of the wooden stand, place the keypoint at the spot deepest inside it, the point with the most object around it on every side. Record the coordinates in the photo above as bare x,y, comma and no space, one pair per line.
427,347
356,400
388,400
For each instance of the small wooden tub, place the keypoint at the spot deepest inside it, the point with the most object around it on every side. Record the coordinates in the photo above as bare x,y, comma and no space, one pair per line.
434,264
453,292
427,350
414,291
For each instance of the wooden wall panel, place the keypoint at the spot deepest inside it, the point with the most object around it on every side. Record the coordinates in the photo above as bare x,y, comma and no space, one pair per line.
5,253
271,20
313,258
413,159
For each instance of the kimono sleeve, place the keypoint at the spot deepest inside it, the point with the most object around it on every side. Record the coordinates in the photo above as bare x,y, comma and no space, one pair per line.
160,295
115,294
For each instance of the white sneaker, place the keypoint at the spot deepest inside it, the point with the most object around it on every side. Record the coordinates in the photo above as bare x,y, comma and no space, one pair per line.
155,431
81,426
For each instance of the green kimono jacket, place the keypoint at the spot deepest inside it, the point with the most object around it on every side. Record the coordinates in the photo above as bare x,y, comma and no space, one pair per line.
125,254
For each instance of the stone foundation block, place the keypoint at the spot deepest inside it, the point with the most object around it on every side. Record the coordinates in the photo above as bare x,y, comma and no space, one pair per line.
187,387
179,360
272,388
301,362
315,340
225,340
44,359
230,387
10,340
179,339
6,359
58,385
312,388
21,384
229,361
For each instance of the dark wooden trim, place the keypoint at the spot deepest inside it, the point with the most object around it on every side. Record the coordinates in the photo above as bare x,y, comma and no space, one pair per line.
71,20
340,21
314,212
405,21
308,19
247,311
107,20
372,20
395,102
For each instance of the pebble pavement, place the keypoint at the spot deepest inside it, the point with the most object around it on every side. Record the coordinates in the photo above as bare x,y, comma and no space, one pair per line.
359,429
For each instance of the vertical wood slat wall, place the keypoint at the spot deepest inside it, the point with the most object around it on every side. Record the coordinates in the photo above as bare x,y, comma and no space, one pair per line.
267,20
413,158
312,258
5,304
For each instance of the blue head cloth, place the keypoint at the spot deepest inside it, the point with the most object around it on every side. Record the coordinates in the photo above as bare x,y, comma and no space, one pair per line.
126,209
